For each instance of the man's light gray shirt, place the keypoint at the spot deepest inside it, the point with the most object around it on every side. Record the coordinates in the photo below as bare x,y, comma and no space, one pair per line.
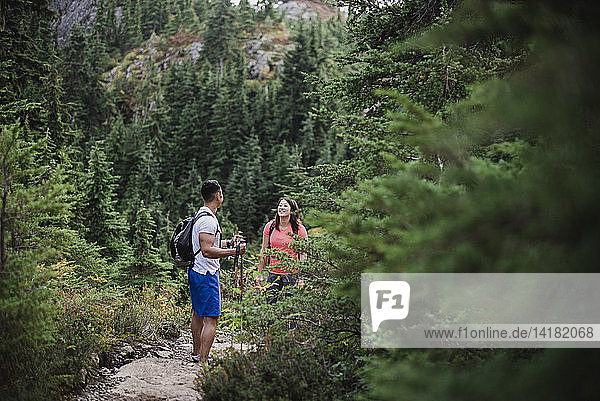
208,225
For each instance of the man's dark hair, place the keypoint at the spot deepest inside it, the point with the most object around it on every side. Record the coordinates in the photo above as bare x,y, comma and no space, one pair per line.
209,190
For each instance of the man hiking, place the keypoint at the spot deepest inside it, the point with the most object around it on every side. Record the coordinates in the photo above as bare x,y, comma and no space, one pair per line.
205,289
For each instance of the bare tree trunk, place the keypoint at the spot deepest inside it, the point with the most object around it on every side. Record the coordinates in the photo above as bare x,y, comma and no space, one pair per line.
220,72
446,84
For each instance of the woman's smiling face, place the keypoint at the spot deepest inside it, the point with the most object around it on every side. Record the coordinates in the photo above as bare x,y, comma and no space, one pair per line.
284,208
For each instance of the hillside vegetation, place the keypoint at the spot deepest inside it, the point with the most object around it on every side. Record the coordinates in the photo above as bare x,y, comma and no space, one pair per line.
416,135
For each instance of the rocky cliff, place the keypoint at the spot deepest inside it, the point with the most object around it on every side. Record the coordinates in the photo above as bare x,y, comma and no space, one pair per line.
84,12
72,11
306,9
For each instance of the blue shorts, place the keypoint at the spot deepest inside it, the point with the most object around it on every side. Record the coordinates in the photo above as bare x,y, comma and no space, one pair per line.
205,292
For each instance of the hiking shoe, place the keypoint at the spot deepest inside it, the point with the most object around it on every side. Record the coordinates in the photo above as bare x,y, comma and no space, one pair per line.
194,358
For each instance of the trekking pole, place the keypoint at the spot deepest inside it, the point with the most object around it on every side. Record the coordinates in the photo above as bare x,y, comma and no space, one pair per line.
239,283
241,298
236,281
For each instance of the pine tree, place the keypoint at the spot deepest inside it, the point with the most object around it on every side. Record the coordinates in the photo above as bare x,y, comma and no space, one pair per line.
228,123
220,33
102,22
503,184
29,89
144,181
293,104
138,35
33,211
246,189
83,59
105,226
154,18
187,152
308,142
145,264
174,18
246,16
189,18
106,27
201,8
266,10
278,160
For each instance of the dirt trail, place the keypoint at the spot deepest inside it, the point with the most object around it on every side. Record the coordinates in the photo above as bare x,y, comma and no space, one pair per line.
157,372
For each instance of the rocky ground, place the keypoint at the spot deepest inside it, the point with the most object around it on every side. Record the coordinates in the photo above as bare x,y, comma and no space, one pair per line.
149,372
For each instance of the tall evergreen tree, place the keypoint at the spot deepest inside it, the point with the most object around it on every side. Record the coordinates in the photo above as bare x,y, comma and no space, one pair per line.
154,17
294,106
246,190
144,181
80,80
174,18
246,17
104,224
120,149
145,264
29,88
187,153
201,8
220,33
106,27
229,122
189,18
266,9
478,199
33,211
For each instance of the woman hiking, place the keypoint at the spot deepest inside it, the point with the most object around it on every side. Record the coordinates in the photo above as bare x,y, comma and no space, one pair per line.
277,235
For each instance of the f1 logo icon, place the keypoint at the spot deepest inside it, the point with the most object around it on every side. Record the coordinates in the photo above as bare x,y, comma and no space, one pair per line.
389,301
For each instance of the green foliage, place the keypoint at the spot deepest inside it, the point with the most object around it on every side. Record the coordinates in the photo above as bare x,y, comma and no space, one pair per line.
554,374
80,79
282,371
229,121
430,77
26,333
34,203
320,358
93,315
500,182
104,224
32,230
246,188
220,32
145,264
133,317
29,80
187,122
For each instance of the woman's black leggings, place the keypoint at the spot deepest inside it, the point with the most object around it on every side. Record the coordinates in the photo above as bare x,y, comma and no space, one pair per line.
276,286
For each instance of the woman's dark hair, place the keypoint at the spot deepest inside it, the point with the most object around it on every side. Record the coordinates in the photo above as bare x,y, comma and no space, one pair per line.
209,189
294,212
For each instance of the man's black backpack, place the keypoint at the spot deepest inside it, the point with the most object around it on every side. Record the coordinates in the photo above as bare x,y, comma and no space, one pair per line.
181,247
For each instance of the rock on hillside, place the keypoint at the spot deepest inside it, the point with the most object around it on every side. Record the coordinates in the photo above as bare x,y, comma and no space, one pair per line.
72,11
265,50
306,9
84,12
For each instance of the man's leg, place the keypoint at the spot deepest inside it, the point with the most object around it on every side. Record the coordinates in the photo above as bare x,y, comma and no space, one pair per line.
207,337
196,326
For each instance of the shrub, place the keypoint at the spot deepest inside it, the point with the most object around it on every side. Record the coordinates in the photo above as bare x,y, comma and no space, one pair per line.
281,370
